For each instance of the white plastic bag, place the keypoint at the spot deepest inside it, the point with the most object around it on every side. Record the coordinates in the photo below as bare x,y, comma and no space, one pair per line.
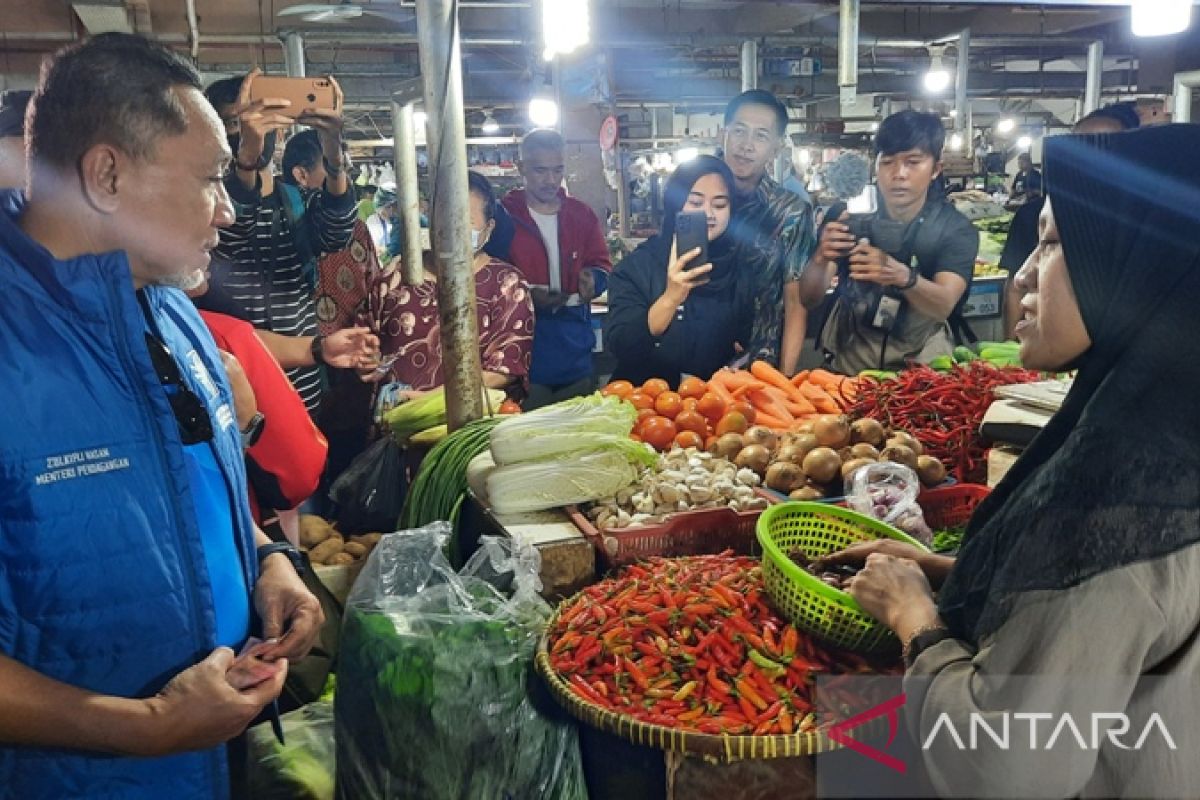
888,492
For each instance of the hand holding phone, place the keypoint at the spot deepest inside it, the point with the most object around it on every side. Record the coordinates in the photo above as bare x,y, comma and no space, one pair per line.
302,94
691,231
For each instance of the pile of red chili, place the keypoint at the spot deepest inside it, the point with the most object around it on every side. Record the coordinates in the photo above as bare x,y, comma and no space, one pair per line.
942,409
690,643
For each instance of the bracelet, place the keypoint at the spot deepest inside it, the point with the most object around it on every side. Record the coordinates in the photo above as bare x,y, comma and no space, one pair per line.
924,638
913,277
317,349
330,169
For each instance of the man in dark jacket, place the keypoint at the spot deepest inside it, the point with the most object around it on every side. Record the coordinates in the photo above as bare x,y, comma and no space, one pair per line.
560,249
128,572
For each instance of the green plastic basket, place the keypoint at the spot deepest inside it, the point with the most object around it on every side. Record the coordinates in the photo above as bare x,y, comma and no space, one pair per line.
809,603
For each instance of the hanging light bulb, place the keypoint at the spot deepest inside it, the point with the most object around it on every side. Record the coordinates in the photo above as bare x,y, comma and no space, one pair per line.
1160,17
564,26
489,125
937,79
1025,142
543,111
1006,126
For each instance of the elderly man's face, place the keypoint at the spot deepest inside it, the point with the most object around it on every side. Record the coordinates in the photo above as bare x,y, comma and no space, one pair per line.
175,201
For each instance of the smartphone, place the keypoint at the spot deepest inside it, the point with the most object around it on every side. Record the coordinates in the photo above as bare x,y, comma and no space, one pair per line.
304,93
691,231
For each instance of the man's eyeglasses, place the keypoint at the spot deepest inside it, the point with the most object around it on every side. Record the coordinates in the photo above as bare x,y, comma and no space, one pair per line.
195,426
759,136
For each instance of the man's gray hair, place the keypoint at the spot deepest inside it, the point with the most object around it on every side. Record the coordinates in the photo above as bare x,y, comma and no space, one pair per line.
542,140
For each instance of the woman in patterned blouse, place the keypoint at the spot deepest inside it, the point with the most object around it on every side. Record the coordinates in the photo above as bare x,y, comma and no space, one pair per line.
406,317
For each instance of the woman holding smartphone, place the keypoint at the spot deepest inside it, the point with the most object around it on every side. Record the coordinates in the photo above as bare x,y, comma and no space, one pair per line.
674,313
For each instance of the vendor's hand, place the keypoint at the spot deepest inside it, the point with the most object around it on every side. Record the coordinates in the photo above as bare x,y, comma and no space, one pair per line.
328,124
244,402
288,610
936,567
256,119
836,239
351,348
199,709
587,285
895,592
872,265
682,277
546,300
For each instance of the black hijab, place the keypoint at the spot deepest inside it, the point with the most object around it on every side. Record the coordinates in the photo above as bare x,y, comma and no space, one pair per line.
1114,478
720,250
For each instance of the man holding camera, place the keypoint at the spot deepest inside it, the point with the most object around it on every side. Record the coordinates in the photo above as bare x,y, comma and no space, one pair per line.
903,270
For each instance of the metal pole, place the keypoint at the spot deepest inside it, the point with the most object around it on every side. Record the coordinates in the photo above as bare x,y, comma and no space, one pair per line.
848,52
960,80
441,65
622,192
749,65
1095,76
293,54
408,192
1185,84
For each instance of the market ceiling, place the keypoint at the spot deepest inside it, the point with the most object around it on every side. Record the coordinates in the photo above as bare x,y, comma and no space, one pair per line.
678,52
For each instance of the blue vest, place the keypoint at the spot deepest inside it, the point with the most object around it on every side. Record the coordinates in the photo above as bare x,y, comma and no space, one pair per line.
103,583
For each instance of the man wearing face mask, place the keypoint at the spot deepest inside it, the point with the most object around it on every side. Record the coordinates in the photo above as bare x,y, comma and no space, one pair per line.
272,248
406,317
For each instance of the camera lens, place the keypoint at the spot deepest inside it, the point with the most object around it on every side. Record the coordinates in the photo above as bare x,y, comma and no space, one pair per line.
312,98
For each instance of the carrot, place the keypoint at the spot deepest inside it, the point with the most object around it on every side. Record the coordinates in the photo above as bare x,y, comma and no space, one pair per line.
827,406
800,377
735,379
823,377
813,392
774,423
718,388
773,377
765,402
794,405
747,388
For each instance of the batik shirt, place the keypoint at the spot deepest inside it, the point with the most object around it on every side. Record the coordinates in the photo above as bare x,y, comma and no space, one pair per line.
774,231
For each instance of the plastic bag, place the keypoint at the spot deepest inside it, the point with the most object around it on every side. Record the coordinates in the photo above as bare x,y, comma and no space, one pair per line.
371,492
302,769
437,697
888,492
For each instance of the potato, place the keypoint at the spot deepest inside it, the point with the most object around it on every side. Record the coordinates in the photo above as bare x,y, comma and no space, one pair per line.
368,540
356,549
313,530
339,559
326,549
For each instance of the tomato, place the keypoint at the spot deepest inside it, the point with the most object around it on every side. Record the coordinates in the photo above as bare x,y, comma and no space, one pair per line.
691,421
690,404
733,422
643,415
640,400
692,387
669,404
746,410
620,389
659,433
655,386
686,439
510,407
712,407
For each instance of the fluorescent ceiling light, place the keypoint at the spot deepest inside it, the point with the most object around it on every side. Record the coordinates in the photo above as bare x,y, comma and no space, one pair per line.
1160,17
564,26
1006,126
543,112
686,154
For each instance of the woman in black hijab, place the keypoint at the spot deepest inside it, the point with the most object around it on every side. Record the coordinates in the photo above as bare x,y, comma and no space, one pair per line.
1083,566
666,316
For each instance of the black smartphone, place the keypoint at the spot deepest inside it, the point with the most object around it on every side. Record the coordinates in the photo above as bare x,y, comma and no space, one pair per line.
691,231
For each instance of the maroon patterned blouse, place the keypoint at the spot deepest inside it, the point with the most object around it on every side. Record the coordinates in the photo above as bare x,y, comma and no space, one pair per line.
406,319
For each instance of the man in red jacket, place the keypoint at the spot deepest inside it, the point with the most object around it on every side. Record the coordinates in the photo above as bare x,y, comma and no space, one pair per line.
560,248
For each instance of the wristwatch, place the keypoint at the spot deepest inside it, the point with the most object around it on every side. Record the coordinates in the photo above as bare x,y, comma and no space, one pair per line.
913,277
287,549
317,348
923,639
253,430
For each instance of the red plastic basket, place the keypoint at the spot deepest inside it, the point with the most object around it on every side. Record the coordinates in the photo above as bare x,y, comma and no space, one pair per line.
951,506
688,533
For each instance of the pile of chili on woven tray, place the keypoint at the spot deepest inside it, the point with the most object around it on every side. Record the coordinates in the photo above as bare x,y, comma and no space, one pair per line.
942,409
690,643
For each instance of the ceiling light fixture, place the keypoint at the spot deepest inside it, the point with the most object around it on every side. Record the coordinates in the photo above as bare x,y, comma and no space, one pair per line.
489,125
1025,142
1160,17
543,111
685,154
937,79
956,141
1006,126
564,26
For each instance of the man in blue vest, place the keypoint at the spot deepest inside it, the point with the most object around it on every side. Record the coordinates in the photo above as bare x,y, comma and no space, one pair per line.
130,570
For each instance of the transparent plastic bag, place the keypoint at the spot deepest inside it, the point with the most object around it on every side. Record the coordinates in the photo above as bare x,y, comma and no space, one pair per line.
302,769
437,697
888,492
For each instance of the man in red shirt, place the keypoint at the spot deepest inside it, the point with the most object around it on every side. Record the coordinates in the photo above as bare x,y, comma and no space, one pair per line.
559,247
